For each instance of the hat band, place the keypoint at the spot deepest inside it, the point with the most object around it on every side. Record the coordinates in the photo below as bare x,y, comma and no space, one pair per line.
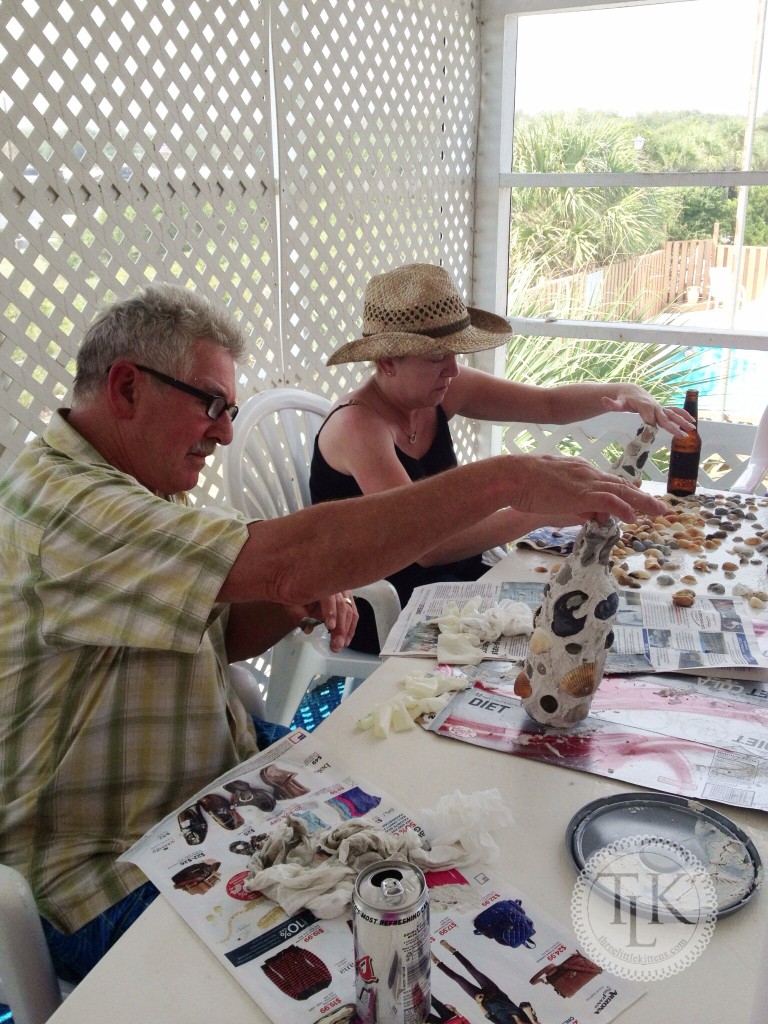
429,332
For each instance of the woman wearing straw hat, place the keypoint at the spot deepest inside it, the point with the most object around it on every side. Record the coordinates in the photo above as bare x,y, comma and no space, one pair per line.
414,325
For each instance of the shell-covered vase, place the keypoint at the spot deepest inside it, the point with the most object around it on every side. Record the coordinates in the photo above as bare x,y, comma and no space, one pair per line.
573,631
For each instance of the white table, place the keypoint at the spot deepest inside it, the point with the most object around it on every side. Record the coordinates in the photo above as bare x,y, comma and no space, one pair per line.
161,972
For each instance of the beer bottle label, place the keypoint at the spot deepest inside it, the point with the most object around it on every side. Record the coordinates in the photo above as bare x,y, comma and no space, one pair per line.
684,465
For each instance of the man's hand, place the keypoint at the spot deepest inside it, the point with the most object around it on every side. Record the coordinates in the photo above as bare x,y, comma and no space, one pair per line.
567,486
339,615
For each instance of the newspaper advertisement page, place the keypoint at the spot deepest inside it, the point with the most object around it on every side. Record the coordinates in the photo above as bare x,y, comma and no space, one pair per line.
300,968
697,737
651,633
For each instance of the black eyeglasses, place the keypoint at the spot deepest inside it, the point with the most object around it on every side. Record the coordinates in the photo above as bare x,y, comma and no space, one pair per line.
215,404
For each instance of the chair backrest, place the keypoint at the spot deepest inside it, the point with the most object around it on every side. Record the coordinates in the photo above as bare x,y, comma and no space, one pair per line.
722,287
28,982
266,467
757,465
721,281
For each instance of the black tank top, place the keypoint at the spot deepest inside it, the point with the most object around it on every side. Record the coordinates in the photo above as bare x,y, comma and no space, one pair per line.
328,484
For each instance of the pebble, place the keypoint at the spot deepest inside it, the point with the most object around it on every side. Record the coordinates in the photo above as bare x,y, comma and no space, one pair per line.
695,527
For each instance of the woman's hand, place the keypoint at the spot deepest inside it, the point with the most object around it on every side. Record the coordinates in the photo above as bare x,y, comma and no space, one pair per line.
632,398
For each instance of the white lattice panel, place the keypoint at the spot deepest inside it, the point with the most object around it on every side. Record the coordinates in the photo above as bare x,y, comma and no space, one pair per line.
376,135
138,149
138,143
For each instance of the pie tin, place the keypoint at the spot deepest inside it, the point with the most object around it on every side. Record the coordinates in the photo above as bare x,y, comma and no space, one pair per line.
702,831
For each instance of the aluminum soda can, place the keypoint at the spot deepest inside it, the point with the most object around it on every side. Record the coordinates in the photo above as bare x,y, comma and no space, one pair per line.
390,924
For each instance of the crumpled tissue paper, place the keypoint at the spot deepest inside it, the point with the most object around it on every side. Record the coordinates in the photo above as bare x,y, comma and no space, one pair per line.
317,870
463,631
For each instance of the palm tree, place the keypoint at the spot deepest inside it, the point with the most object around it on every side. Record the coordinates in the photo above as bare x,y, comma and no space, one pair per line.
563,230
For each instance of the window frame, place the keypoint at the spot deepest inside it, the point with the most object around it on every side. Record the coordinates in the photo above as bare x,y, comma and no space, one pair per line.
495,181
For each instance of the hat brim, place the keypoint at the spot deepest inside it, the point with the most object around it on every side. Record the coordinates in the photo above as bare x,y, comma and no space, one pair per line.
486,330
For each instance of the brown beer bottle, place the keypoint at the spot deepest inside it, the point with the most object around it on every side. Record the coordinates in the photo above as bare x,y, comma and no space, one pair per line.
684,454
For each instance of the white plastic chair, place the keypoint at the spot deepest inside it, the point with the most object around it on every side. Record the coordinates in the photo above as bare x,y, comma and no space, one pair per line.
28,982
266,475
757,465
722,288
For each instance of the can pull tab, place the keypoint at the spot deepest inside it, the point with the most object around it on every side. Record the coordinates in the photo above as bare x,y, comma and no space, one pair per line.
392,887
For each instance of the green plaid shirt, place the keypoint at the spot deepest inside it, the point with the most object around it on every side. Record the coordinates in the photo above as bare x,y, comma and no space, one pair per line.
115,701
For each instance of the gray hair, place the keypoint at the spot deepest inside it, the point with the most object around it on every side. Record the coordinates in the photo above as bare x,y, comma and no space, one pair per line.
158,327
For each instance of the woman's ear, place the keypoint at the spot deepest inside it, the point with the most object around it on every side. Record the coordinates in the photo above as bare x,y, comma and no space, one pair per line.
387,366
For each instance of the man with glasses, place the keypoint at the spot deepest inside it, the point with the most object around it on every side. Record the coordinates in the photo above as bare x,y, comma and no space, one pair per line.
123,606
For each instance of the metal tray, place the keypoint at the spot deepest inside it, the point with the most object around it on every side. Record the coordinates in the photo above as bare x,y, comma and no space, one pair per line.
725,850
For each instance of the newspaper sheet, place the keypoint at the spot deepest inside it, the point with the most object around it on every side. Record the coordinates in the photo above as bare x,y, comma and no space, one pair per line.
698,737
651,634
300,969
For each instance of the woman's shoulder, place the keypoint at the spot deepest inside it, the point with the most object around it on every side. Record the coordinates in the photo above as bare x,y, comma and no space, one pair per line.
353,412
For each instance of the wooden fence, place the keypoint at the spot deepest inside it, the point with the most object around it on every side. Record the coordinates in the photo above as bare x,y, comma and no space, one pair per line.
644,286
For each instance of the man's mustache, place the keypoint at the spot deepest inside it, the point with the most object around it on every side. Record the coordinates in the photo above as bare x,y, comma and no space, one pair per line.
203,449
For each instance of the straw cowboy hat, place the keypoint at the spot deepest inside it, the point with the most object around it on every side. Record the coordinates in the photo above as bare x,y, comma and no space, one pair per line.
416,311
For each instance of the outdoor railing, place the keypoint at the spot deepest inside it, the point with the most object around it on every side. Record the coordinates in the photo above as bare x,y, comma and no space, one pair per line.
725,446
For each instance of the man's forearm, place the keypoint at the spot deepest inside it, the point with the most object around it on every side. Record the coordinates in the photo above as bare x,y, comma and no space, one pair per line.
344,544
255,626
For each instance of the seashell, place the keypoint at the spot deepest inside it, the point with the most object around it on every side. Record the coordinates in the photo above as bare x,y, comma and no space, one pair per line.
730,567
564,622
580,681
575,714
684,598
608,607
755,602
541,640
522,685
688,579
